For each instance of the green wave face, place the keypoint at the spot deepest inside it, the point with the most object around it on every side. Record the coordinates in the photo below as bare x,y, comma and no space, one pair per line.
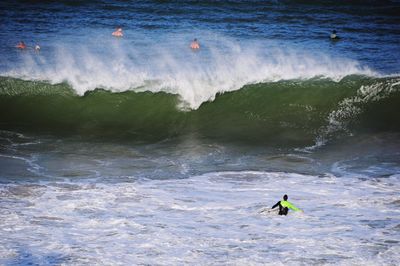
292,112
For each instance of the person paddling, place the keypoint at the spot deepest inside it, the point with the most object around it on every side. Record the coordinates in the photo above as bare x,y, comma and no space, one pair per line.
21,45
118,32
195,45
334,35
285,205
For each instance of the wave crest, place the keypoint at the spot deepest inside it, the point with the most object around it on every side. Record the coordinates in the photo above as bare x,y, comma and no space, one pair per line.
220,66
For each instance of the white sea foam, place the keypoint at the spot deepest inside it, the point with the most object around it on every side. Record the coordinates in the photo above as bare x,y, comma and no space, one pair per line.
349,108
221,65
166,204
208,219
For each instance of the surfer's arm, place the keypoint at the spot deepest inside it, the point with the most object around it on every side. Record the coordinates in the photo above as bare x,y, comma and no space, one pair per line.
276,205
292,207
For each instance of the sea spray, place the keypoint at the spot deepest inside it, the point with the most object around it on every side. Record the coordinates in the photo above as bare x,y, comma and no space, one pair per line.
221,65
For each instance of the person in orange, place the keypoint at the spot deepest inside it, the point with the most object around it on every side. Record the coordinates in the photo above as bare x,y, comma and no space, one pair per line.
118,32
195,45
21,45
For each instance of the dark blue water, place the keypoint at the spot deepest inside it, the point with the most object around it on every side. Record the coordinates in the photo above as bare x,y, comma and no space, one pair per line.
369,29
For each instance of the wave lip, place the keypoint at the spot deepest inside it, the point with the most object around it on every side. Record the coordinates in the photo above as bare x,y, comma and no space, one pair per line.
195,77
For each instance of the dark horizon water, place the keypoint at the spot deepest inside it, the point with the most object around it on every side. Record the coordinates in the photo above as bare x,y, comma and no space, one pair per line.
369,30
139,151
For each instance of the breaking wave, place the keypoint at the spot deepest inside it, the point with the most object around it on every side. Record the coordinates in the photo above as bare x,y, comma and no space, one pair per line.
289,112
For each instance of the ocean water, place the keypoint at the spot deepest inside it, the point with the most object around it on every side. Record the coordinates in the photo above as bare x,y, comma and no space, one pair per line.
139,151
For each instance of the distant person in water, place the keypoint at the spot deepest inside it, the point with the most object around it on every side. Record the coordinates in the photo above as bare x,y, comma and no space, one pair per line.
334,36
195,45
118,32
284,206
21,45
37,48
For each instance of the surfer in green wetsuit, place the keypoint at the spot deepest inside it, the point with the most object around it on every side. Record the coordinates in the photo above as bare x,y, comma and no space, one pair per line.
285,205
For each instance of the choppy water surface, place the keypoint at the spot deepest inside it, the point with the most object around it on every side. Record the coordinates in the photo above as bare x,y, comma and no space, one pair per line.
139,151
74,202
207,219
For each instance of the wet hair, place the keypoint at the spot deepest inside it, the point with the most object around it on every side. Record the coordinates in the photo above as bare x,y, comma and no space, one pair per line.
285,197
334,32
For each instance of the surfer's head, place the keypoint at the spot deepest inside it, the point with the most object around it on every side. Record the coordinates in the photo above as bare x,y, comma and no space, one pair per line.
334,32
285,197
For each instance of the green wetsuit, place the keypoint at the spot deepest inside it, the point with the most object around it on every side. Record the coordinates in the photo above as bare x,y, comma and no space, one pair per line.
284,207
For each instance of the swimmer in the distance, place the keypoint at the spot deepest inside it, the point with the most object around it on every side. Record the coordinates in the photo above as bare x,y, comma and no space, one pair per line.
195,45
334,35
37,48
118,32
21,45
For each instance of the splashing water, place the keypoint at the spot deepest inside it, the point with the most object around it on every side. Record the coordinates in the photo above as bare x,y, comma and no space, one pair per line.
221,65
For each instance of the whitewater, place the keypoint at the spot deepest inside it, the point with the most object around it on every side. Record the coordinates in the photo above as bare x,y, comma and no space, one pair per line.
140,151
222,65
73,202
